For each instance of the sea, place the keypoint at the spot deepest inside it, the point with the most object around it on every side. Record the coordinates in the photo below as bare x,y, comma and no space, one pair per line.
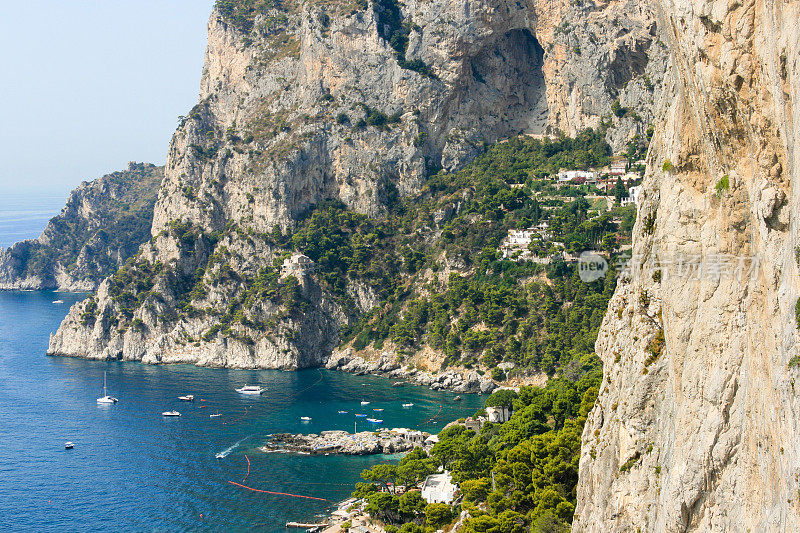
131,469
24,216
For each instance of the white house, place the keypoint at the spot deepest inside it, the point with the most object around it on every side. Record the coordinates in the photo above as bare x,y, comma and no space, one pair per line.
439,488
566,176
433,439
633,196
618,166
414,436
297,265
517,241
498,414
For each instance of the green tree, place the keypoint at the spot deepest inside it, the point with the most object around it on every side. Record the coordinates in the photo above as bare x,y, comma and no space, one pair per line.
383,474
438,515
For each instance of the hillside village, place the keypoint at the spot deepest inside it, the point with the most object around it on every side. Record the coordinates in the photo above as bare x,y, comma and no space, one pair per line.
614,185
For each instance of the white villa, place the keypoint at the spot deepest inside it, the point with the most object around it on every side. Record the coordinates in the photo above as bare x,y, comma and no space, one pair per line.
439,488
633,196
567,176
618,166
297,265
517,241
499,414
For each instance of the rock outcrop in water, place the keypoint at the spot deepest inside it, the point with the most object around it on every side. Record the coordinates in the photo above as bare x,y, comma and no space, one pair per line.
103,224
697,426
351,102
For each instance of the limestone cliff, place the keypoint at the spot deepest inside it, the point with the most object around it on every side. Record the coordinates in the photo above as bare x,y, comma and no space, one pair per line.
103,223
313,101
696,427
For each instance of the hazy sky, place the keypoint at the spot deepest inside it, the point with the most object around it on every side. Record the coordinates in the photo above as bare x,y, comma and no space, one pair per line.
88,85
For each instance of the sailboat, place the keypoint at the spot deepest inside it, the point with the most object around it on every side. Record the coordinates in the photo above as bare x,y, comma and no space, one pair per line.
106,399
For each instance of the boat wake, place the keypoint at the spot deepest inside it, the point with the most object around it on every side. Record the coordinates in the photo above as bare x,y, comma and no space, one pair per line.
227,451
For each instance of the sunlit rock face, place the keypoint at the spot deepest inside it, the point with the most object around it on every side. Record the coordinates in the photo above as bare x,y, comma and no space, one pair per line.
696,427
312,103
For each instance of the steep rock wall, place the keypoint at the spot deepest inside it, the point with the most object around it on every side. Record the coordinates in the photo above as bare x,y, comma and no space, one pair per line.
696,427
354,102
102,224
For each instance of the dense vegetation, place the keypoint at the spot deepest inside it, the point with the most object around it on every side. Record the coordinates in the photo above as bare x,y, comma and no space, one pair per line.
513,477
520,475
434,263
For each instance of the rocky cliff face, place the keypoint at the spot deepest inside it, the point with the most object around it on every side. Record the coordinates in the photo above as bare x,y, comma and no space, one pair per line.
355,102
696,427
103,224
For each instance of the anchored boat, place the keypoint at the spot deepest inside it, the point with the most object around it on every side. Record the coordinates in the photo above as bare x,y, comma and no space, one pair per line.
250,389
106,399
170,413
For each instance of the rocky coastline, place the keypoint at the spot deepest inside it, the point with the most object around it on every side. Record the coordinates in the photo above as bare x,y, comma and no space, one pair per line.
455,380
344,443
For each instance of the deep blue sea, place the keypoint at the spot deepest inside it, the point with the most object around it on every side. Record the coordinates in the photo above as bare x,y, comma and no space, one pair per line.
133,470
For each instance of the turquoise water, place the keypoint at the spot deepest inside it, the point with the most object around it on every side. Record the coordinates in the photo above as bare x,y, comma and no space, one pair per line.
133,470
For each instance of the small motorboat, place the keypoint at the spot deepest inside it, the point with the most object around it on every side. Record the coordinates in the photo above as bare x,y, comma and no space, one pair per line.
220,455
375,420
457,399
68,445
359,414
58,301
106,399
170,413
250,389
215,415
305,418
364,403
343,412
379,410
408,405
187,398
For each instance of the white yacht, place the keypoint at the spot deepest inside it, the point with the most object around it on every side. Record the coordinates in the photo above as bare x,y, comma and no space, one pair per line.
68,445
364,403
170,413
305,418
58,301
251,389
187,398
408,405
106,399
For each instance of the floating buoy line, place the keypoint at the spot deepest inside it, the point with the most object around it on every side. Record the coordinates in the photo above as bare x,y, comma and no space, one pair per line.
278,493
240,418
433,418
